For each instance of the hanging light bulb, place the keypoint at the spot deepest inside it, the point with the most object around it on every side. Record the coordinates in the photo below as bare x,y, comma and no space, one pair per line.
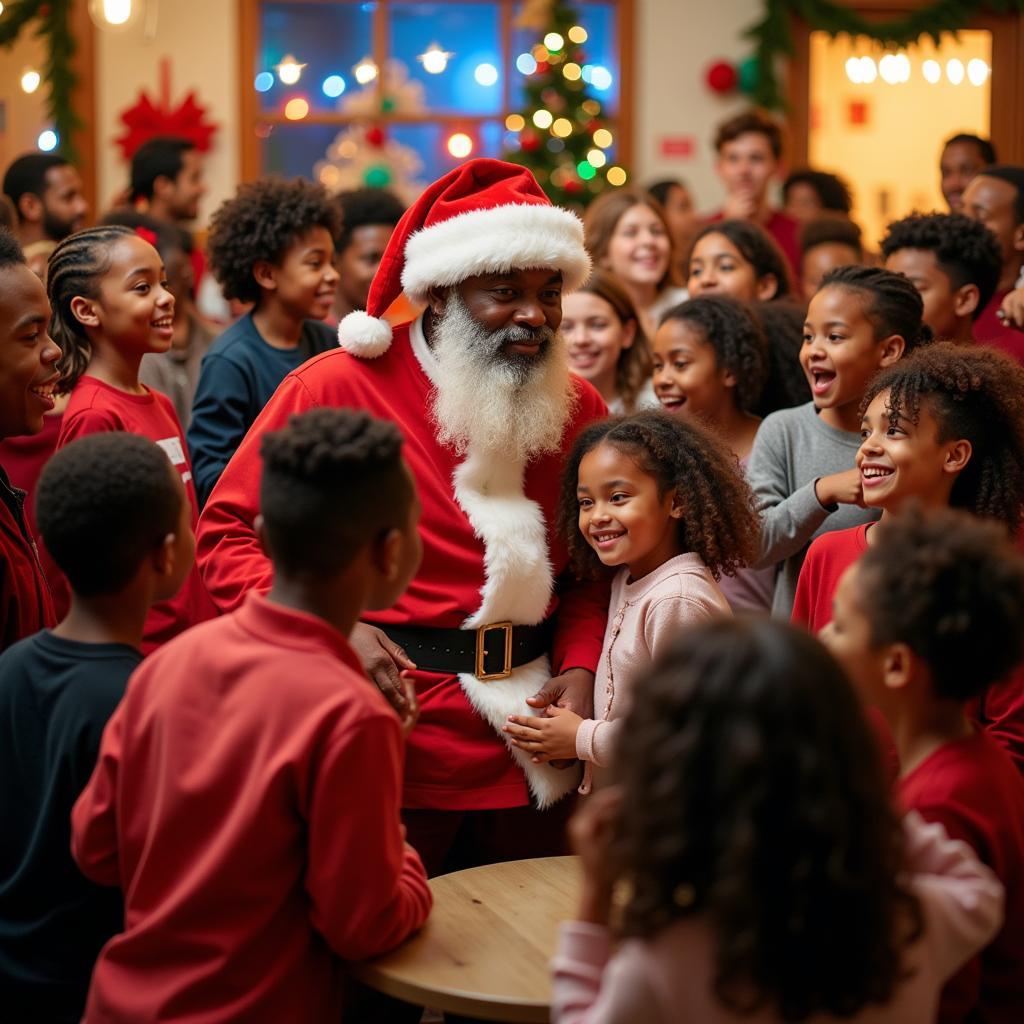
955,71
114,14
289,70
977,71
932,71
30,80
434,59
365,71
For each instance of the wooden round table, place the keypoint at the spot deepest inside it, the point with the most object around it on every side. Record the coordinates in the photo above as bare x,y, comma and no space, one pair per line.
486,947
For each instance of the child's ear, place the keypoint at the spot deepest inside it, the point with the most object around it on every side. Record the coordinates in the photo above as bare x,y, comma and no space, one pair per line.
891,349
767,287
958,454
387,553
266,275
897,666
84,311
629,333
259,526
164,555
678,509
728,379
966,300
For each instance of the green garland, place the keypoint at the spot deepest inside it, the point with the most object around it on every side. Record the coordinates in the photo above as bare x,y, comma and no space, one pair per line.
772,39
54,17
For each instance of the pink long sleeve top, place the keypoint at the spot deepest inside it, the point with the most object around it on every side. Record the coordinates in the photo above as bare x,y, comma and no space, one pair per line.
668,978
644,616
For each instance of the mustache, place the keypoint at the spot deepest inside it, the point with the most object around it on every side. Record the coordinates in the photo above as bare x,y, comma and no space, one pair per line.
520,334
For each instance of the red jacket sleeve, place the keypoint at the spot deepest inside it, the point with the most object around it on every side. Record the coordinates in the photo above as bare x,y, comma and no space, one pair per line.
94,816
231,560
1000,712
579,624
367,887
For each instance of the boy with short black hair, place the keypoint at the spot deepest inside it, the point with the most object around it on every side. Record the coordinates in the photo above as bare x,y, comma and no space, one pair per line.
28,373
827,242
271,245
953,261
113,512
928,618
248,789
368,216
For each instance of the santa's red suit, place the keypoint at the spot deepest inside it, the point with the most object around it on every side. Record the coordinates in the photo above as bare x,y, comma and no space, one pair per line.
491,553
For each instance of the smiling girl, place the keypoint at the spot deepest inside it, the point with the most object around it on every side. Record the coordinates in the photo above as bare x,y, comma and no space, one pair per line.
606,344
943,428
627,235
737,258
663,503
801,467
111,306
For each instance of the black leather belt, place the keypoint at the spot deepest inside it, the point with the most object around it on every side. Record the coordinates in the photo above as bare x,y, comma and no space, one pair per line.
489,652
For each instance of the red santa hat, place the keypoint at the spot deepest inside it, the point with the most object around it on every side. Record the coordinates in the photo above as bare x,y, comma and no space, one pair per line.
484,217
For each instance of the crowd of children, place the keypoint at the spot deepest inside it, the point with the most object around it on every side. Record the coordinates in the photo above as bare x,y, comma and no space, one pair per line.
811,819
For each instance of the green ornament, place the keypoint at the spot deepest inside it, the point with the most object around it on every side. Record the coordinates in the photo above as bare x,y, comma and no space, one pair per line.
387,104
750,75
377,176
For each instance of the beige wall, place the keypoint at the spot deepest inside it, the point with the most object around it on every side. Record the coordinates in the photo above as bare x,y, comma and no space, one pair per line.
200,38
24,116
676,40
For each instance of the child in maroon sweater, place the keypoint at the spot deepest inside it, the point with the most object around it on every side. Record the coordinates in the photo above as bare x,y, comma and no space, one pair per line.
246,797
28,373
926,619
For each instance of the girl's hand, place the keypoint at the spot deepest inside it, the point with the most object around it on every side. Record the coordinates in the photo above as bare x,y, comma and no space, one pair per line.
840,489
589,832
547,738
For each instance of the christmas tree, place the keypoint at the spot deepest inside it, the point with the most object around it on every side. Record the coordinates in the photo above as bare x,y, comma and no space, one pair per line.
560,135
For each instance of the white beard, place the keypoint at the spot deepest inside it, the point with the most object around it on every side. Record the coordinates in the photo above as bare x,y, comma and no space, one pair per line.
488,400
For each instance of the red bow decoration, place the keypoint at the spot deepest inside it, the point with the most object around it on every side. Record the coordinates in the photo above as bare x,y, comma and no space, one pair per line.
147,235
148,119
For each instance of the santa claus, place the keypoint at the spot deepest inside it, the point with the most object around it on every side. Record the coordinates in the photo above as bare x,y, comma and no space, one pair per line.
480,388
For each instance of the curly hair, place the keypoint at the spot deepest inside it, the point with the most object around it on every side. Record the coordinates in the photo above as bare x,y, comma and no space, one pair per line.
322,461
965,250
602,218
75,268
755,796
10,250
745,123
833,193
976,394
740,347
362,207
831,230
261,222
756,246
720,522
103,503
893,306
783,326
635,363
951,588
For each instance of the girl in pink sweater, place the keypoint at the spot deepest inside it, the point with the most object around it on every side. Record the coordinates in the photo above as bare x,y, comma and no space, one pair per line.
661,503
751,861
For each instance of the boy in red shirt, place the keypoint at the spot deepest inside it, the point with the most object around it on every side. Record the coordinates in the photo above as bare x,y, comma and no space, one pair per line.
927,619
28,373
246,798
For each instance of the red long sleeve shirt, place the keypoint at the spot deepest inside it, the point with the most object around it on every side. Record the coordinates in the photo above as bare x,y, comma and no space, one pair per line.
246,800
455,760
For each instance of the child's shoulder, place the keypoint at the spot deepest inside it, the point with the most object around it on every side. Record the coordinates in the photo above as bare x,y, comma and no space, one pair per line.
839,543
785,422
235,341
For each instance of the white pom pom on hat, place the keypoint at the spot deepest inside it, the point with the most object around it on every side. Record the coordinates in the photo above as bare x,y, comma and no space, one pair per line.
484,217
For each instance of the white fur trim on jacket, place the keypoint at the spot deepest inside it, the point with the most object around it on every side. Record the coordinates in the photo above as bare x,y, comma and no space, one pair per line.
518,582
512,237
364,335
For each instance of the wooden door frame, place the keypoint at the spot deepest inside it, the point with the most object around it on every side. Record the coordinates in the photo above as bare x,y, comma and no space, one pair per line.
1007,82
83,100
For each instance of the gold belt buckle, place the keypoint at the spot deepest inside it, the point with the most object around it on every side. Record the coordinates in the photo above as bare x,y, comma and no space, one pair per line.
481,651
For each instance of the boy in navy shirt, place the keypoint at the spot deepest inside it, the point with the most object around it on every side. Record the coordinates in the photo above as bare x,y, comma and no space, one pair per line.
271,245
113,512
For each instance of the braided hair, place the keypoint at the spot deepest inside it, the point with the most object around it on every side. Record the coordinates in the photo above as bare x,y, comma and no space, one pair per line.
720,522
893,305
976,394
75,269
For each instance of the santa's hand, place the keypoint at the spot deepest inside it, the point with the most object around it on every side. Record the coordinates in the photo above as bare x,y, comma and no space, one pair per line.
385,663
573,689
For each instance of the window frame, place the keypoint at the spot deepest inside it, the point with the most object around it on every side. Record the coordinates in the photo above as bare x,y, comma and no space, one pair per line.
250,115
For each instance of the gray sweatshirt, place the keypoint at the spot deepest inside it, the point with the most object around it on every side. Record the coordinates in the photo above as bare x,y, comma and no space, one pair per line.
792,450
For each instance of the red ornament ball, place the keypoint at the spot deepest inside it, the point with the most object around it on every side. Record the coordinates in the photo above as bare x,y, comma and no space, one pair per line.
573,186
542,67
528,141
593,125
375,136
722,77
